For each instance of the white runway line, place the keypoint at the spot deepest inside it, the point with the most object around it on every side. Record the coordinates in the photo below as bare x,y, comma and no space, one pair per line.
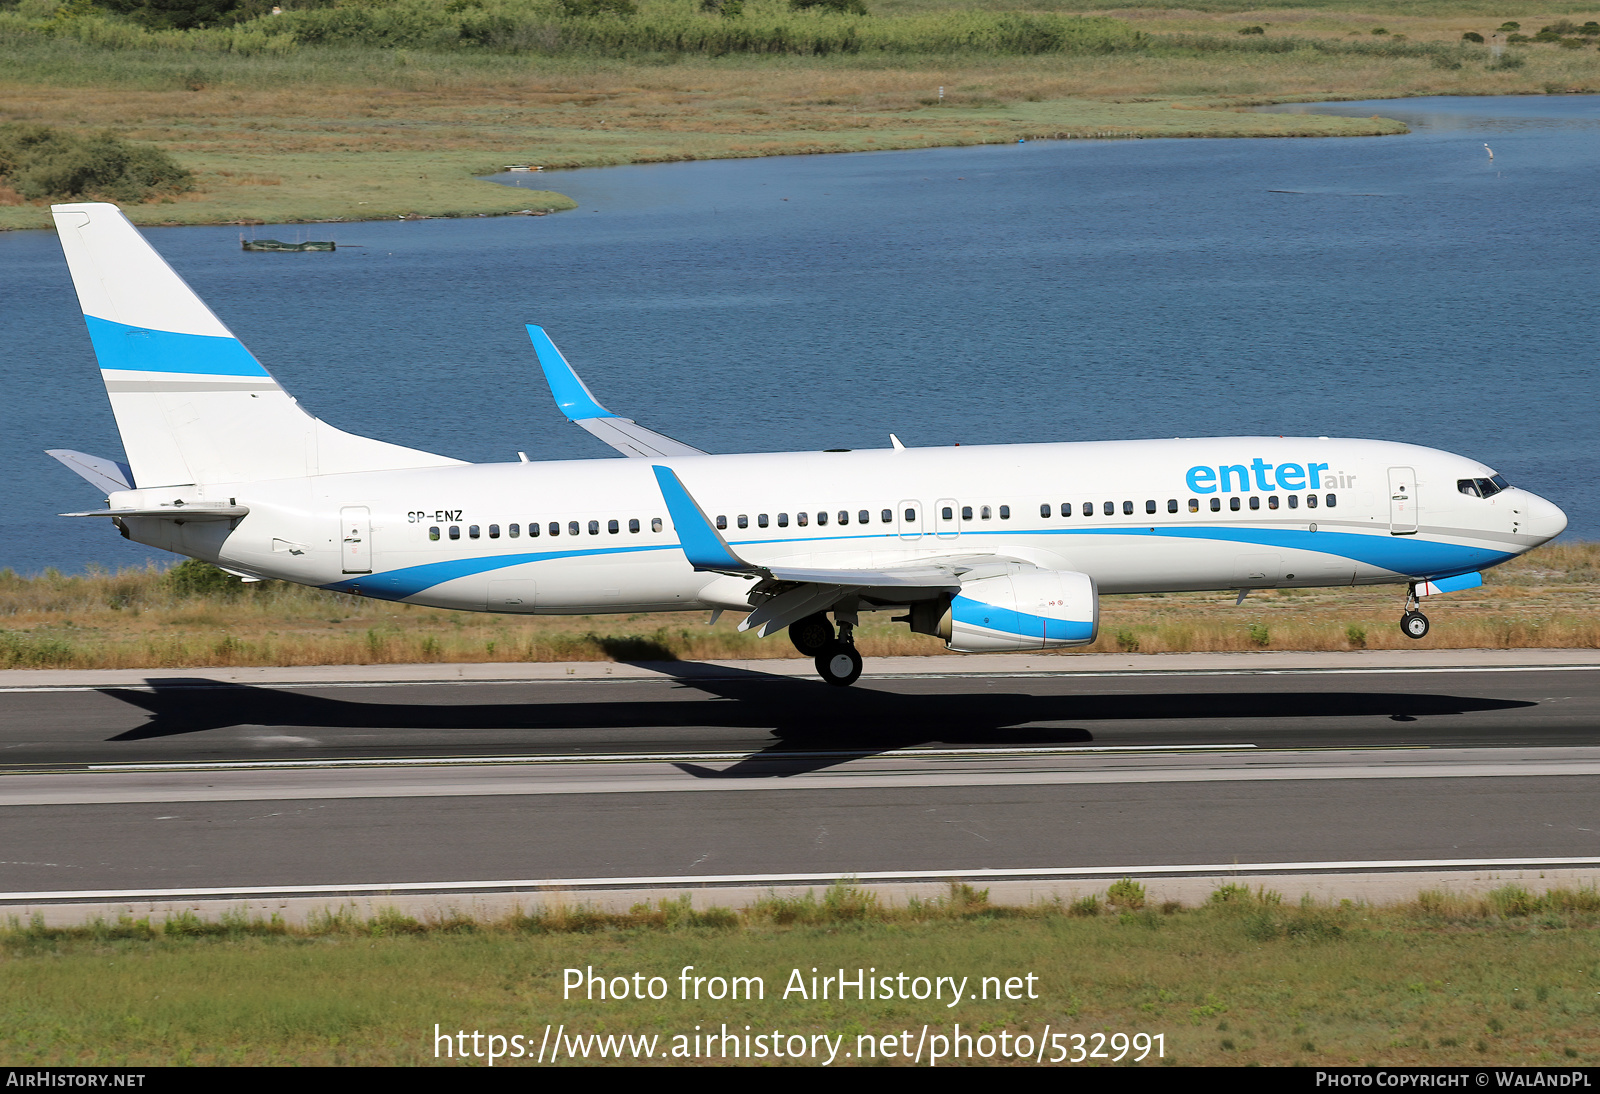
534,885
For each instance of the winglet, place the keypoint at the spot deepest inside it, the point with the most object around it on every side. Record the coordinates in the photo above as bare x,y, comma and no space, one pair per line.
573,396
702,544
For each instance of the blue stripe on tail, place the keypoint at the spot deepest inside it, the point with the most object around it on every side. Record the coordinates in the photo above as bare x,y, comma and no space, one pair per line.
123,348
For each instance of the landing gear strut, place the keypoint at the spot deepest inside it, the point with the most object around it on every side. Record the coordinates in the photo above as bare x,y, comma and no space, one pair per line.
838,663
1413,624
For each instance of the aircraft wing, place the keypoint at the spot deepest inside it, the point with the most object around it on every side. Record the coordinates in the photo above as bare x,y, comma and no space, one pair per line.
795,592
582,408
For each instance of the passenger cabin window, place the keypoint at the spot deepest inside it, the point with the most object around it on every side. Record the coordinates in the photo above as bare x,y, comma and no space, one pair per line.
966,512
1311,501
433,533
947,513
911,516
1216,505
783,520
514,531
844,516
1255,503
1044,511
1294,501
1066,508
1172,505
1330,500
722,522
455,531
801,519
1233,503
473,531
863,517
533,530
1272,502
633,524
761,520
613,527
655,524
986,513
572,527
887,516
1127,508
744,520
1088,508
555,528
1194,505
822,518
1150,506
594,528
494,531
1111,508
1005,512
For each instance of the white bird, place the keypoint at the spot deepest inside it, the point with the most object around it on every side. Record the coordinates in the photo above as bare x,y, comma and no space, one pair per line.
1489,150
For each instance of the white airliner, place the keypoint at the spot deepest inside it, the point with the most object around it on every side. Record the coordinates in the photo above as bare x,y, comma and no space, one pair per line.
1004,547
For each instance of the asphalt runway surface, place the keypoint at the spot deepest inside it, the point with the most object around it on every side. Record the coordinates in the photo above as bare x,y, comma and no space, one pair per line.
714,771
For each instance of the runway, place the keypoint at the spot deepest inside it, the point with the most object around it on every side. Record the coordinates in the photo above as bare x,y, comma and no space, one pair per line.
712,771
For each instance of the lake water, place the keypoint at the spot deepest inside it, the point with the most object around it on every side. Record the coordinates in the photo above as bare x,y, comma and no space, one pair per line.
1407,288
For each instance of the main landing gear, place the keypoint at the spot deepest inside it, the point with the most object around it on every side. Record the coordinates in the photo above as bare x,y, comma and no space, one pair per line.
1413,624
835,654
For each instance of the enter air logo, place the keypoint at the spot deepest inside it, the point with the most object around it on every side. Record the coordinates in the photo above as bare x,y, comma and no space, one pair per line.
1258,474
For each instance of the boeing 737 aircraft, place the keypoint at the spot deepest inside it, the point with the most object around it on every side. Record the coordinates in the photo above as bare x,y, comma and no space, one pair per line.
1004,547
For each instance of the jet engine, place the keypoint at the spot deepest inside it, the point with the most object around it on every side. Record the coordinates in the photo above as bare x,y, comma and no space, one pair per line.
1027,609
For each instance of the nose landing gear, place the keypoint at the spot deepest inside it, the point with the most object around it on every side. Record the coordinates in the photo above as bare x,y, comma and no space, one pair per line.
1413,624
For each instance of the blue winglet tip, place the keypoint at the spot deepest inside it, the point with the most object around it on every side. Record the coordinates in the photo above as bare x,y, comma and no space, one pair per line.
572,395
702,546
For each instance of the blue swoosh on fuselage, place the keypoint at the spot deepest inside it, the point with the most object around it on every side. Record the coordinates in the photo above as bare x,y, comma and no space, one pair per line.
1401,555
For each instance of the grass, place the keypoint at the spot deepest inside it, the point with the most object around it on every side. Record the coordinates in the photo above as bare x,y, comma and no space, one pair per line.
145,619
1506,978
322,133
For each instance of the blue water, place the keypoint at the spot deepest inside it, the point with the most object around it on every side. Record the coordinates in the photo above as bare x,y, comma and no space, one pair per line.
1408,288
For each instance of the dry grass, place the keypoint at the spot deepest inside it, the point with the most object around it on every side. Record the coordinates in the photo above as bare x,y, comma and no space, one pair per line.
1507,978
134,619
360,135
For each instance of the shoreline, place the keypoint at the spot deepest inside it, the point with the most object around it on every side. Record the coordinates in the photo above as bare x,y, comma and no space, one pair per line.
250,190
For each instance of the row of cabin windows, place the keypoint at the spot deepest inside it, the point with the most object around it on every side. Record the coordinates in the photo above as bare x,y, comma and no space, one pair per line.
984,512
803,520
574,528
1109,508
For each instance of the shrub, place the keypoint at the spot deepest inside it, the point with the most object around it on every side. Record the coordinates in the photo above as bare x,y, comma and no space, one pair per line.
1472,36
1379,30
174,14
1252,30
1356,635
589,9
43,163
835,7
1508,26
193,578
1259,635
1127,894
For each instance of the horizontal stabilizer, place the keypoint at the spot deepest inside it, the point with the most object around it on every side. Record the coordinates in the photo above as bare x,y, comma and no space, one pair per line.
580,406
197,512
109,475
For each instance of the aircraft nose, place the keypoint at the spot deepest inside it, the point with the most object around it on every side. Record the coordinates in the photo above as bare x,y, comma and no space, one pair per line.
1541,518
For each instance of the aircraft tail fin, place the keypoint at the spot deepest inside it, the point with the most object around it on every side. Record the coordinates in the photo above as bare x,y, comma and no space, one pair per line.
191,403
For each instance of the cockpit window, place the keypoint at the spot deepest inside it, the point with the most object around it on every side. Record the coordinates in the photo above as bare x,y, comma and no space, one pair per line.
1483,488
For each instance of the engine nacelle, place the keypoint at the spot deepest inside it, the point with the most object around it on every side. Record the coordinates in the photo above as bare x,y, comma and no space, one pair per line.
1026,610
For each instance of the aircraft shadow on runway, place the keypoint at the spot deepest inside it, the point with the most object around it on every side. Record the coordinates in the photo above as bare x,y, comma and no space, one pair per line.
814,726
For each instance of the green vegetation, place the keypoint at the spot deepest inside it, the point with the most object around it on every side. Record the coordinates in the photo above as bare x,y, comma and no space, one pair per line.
373,109
39,163
196,616
1506,977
